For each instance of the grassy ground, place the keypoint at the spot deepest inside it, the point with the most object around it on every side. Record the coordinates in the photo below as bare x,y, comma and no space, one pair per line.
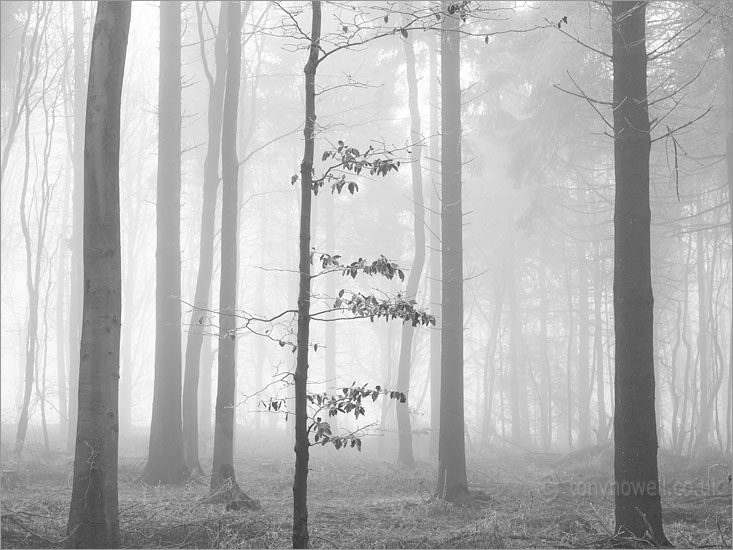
358,501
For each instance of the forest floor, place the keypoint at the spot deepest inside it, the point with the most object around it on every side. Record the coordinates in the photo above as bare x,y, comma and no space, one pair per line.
358,501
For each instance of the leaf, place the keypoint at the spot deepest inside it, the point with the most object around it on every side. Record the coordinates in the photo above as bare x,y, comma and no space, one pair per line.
345,28
404,33
293,179
386,18
201,320
486,39
315,347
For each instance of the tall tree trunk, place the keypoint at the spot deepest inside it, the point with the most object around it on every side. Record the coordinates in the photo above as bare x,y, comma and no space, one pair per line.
546,376
300,480
515,343
33,264
602,434
202,296
702,437
435,269
93,517
569,370
63,409
32,288
405,457
728,49
165,456
583,373
76,285
452,480
637,498
222,472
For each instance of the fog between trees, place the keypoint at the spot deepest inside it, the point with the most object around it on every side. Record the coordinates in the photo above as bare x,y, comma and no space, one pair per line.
569,252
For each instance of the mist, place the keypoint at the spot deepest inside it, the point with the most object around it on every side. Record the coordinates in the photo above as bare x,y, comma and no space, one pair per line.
460,256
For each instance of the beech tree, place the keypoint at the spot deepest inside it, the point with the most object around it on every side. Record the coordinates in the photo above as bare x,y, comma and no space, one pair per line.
452,479
637,500
202,296
165,453
93,516
34,241
405,456
348,159
223,481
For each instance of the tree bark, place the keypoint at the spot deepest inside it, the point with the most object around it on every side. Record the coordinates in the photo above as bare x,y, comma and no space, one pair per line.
223,464
546,376
516,373
452,480
728,50
405,457
165,457
602,434
435,269
702,435
583,373
202,296
637,498
93,517
300,481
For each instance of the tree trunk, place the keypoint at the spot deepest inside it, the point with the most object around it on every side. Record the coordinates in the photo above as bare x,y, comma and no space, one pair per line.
165,458
516,373
222,473
194,341
602,434
702,436
546,377
300,481
569,370
76,285
637,498
728,49
93,517
452,480
405,457
224,486
435,269
583,373
33,274
62,266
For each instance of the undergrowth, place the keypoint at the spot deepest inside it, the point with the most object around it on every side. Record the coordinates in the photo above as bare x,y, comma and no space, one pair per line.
531,500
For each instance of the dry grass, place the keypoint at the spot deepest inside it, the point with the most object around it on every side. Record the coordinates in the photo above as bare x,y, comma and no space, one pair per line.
358,502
